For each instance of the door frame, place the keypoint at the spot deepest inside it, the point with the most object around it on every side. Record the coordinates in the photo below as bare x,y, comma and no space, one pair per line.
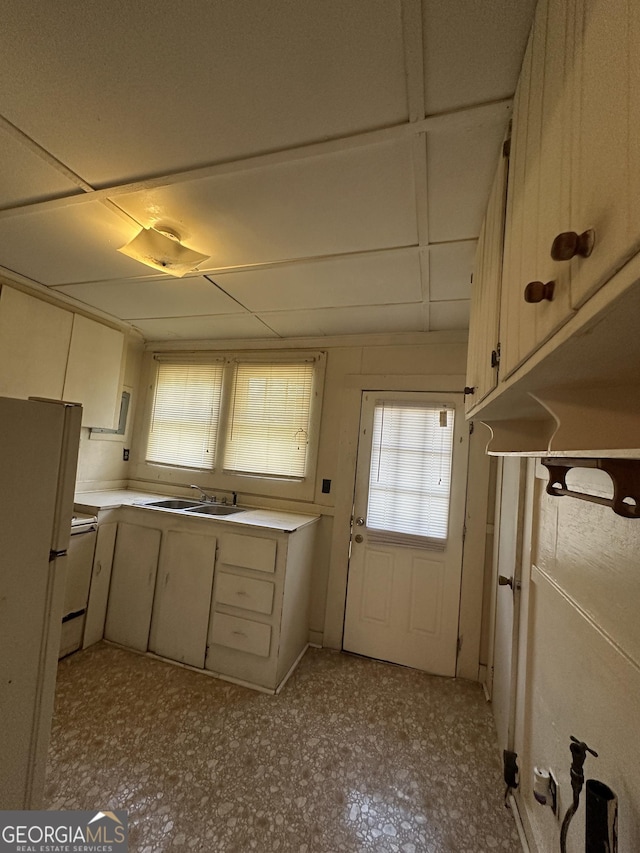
473,559
449,557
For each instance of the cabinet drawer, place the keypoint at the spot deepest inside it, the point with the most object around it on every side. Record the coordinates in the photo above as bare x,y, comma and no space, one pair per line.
241,634
247,593
249,552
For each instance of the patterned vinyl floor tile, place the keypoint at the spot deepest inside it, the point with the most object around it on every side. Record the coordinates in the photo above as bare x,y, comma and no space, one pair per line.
353,755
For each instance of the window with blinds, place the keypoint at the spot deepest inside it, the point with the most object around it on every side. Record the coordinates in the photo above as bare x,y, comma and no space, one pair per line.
268,428
410,474
186,413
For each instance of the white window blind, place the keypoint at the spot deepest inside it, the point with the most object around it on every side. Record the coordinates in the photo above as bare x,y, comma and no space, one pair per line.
186,410
268,428
410,475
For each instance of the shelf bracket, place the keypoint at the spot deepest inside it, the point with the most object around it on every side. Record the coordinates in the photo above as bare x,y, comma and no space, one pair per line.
624,473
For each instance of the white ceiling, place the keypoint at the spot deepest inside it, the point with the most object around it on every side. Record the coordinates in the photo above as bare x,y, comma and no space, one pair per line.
333,157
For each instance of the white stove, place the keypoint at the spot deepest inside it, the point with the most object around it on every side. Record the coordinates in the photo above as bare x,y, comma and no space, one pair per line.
79,563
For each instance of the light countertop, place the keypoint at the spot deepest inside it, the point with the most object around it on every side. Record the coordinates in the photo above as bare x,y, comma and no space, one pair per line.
272,519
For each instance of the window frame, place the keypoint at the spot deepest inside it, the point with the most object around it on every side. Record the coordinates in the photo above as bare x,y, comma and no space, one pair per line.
217,478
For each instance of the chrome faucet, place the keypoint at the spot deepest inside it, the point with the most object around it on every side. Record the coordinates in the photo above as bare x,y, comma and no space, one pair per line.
205,496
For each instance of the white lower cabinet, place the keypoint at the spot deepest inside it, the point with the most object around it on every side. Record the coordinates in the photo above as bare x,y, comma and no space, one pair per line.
100,582
260,615
243,635
182,600
133,580
230,600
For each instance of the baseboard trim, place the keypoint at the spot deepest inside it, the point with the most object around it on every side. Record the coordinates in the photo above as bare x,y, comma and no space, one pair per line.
515,811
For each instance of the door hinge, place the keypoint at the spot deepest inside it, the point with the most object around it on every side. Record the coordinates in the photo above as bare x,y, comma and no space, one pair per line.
459,645
472,427
495,356
510,769
506,145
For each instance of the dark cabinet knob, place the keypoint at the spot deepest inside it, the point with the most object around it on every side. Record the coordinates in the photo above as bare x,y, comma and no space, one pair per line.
570,245
538,291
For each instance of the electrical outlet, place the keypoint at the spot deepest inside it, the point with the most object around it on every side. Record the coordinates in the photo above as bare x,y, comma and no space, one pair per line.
553,791
125,454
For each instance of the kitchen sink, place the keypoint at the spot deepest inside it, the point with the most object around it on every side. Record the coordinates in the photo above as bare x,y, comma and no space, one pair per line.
173,503
216,509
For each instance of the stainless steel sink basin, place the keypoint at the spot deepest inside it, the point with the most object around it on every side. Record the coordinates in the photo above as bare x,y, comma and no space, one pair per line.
173,503
216,509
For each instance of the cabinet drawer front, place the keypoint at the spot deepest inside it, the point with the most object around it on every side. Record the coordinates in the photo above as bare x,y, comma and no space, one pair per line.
247,593
249,552
241,634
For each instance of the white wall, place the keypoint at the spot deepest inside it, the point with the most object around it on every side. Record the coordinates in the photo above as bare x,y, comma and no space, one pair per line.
580,674
412,362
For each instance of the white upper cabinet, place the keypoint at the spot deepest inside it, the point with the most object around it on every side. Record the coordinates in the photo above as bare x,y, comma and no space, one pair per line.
572,237
34,344
606,121
536,295
483,351
94,371
46,351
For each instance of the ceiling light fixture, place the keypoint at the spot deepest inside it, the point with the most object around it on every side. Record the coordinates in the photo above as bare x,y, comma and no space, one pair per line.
161,249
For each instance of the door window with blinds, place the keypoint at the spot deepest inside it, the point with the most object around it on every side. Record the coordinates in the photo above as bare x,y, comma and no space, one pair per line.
236,416
410,473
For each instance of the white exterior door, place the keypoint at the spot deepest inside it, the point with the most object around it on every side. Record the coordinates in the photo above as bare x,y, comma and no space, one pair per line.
403,593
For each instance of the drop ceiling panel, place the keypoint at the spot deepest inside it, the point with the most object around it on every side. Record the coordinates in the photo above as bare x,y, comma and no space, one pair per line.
68,244
124,90
473,50
136,299
383,277
461,166
346,321
450,269
345,202
204,328
449,315
26,177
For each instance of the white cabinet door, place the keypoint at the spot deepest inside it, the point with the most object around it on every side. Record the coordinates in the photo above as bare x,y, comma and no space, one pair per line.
482,359
133,578
100,580
605,185
94,371
512,273
34,344
183,597
539,190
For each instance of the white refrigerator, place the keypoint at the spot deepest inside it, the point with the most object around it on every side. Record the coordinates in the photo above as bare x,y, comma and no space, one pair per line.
39,442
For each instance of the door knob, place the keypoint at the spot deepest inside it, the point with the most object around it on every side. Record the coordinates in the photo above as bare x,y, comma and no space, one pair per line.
512,582
569,244
359,521
538,291
359,538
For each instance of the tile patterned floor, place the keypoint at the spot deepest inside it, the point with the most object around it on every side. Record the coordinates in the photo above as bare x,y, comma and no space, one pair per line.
354,755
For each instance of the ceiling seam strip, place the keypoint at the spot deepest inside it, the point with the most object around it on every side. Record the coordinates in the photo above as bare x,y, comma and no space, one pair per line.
490,111
45,155
265,265
259,314
52,161
412,40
